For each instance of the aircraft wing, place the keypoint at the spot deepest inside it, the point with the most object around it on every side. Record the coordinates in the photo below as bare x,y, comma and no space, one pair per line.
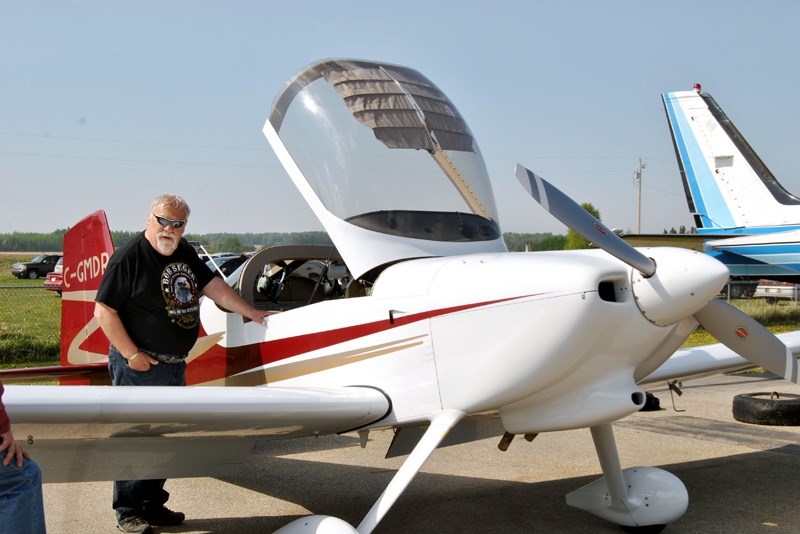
774,255
710,359
690,241
80,433
789,237
779,250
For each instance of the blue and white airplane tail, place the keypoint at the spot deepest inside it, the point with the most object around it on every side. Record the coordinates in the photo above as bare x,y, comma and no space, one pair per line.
728,187
751,223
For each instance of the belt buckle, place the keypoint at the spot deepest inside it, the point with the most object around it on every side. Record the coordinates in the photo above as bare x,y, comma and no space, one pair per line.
172,359
167,358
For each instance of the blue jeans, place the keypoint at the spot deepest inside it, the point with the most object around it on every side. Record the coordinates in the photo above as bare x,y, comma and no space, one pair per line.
133,497
163,374
21,505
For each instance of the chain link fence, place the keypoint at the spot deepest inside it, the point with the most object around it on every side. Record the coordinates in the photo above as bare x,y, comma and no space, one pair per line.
30,325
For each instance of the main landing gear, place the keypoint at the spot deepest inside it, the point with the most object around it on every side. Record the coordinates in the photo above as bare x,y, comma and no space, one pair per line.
441,424
640,499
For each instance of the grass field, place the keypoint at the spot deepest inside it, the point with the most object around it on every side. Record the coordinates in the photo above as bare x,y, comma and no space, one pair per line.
30,319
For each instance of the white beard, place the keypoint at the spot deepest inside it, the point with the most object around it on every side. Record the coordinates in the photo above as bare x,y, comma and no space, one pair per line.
166,243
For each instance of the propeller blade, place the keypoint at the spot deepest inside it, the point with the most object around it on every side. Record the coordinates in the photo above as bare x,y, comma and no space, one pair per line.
748,338
570,213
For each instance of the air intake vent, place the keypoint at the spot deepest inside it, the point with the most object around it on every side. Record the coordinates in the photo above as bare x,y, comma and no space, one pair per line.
606,291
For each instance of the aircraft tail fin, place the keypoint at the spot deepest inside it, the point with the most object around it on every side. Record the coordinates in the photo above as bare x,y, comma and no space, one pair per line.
727,185
87,249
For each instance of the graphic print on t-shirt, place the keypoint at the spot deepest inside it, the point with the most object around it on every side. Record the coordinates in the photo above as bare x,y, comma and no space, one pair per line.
179,287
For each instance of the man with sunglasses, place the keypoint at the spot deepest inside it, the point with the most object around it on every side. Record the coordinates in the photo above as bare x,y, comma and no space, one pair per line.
148,307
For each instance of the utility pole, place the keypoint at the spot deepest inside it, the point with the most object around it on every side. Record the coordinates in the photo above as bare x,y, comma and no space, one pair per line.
637,177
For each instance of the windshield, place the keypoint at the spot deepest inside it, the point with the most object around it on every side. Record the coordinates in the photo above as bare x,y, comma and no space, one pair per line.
385,150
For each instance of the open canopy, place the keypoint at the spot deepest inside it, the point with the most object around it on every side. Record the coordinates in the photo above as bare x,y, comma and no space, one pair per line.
384,158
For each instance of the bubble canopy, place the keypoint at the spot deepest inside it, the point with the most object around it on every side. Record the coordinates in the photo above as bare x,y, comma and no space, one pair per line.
380,148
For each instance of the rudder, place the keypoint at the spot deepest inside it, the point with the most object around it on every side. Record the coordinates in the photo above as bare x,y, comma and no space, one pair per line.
87,249
727,185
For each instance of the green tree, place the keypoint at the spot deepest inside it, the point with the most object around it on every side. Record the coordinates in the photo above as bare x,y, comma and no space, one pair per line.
574,239
553,242
545,241
232,244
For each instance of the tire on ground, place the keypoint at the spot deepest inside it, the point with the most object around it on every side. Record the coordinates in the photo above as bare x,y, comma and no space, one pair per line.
737,291
767,408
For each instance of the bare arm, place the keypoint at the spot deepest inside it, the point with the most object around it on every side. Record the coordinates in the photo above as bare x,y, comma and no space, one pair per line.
221,293
112,327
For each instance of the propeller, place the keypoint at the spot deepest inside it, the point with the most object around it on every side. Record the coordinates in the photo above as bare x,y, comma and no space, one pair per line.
685,284
570,213
748,338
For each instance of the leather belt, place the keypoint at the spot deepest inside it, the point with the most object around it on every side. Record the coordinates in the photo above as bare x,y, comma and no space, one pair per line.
168,358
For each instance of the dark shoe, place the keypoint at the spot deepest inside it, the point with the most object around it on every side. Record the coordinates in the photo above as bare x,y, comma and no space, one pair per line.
137,525
163,517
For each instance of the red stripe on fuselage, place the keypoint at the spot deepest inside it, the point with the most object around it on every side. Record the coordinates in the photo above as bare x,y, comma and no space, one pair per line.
219,362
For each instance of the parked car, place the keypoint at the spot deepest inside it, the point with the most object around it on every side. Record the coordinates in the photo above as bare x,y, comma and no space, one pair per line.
773,291
227,264
739,288
38,266
53,280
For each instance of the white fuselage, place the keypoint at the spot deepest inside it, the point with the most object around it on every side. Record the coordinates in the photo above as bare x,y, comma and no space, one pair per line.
514,331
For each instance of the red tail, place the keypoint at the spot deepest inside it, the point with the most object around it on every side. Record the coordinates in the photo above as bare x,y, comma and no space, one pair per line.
84,347
87,248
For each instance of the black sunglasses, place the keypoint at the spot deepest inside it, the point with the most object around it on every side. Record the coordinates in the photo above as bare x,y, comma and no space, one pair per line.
163,221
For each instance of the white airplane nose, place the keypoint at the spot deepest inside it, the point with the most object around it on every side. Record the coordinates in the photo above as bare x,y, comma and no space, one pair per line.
684,282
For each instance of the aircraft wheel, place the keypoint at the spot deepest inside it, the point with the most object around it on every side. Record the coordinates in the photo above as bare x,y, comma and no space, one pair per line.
651,403
649,529
317,524
764,408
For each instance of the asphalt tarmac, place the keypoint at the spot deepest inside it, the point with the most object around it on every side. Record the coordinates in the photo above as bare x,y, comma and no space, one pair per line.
741,478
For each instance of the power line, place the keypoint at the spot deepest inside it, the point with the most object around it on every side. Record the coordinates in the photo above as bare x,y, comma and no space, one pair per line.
131,142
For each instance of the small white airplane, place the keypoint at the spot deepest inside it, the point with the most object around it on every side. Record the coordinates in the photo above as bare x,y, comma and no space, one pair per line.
747,219
419,320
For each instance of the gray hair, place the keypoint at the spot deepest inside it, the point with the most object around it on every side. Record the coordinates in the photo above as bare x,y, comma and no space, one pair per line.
171,201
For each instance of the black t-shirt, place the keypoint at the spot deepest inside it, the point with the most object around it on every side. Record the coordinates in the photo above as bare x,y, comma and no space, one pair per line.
157,297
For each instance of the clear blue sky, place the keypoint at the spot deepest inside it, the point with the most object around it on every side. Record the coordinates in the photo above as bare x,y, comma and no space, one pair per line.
106,104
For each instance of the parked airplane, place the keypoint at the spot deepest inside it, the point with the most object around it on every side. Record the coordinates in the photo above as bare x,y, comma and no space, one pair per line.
747,219
419,320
